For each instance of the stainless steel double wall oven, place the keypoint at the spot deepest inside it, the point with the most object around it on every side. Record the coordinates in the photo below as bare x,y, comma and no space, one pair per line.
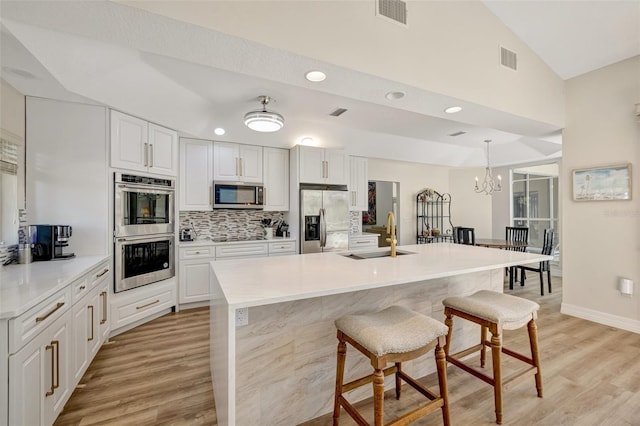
144,226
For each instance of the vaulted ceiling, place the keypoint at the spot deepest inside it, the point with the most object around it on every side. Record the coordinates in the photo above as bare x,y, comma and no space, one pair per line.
194,79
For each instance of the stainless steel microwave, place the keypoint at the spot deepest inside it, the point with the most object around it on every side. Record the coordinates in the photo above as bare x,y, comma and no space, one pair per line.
233,195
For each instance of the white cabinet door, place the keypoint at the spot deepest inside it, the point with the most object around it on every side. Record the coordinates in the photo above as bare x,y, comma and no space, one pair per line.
142,146
39,376
80,349
93,323
250,167
319,165
194,280
234,162
128,142
336,167
358,184
225,161
196,175
311,164
163,150
276,179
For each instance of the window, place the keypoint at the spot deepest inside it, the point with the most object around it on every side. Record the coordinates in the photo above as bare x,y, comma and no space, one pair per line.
534,201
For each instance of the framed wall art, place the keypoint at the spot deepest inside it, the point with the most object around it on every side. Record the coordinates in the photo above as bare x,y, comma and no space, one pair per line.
606,183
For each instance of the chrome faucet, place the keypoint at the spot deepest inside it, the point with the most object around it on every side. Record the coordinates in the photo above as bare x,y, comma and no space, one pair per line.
391,231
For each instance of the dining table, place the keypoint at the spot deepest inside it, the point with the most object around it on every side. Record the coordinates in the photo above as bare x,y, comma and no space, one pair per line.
506,245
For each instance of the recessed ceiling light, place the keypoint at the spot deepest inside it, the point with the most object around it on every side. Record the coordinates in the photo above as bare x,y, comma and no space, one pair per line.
394,95
306,141
219,131
453,109
315,76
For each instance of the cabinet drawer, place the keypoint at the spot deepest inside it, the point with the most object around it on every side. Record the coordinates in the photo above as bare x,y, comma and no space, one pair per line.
200,252
284,247
98,275
28,325
137,306
79,288
363,242
241,250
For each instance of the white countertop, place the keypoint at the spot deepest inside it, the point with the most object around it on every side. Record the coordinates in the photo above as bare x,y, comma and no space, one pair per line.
24,286
197,243
286,278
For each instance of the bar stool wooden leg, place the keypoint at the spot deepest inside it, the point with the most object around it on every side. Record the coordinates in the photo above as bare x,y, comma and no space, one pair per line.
483,352
441,367
378,397
496,350
448,321
342,354
533,342
398,380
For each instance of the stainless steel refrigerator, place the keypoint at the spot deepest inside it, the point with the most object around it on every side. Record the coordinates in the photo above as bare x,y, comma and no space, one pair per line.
324,220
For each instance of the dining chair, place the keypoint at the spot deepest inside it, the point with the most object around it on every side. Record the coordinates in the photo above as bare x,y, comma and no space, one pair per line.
547,249
462,235
516,234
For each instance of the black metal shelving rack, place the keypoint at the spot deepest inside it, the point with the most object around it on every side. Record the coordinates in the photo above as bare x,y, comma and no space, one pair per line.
433,217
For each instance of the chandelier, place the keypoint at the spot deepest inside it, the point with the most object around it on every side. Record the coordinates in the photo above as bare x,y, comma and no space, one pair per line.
489,184
263,120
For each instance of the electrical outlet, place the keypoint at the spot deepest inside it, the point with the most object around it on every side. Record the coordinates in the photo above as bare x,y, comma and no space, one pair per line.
242,316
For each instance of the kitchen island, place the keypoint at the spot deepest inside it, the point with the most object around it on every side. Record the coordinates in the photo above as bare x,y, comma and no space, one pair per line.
280,367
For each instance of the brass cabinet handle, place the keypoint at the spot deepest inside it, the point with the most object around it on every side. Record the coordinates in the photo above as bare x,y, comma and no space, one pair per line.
148,304
241,173
57,343
197,252
82,287
58,306
52,390
91,338
146,155
150,155
104,307
102,273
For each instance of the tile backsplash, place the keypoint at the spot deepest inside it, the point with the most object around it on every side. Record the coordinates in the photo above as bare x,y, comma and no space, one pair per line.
355,222
227,223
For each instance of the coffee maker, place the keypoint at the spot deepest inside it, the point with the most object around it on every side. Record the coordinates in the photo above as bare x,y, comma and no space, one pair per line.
48,242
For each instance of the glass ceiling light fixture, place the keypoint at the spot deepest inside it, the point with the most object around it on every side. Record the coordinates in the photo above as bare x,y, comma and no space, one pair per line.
263,120
489,184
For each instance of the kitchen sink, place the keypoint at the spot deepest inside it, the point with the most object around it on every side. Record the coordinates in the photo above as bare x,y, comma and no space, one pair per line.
375,254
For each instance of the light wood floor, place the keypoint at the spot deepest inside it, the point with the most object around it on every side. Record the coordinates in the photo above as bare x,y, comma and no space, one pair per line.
158,374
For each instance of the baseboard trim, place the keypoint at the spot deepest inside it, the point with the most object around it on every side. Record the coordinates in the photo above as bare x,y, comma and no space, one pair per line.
601,317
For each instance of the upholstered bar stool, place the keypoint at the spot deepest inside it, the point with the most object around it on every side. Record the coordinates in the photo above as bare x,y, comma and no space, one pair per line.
393,335
496,312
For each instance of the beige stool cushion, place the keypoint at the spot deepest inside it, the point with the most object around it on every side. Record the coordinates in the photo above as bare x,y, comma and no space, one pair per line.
393,330
503,309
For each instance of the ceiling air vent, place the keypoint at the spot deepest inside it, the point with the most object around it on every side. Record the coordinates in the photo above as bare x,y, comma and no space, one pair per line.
395,10
458,133
338,112
508,58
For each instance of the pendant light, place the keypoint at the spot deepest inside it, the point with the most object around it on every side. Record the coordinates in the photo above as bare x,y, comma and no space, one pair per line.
263,120
489,184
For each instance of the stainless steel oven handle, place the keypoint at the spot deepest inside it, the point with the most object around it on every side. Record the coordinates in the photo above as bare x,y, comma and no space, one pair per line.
148,188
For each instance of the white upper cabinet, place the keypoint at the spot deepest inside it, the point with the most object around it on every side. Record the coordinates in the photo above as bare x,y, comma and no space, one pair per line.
358,184
237,163
142,146
318,165
276,179
196,175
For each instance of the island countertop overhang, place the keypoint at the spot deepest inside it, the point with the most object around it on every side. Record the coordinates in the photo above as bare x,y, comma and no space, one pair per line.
287,278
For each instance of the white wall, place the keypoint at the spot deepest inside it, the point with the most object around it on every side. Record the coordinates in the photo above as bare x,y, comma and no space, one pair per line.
413,178
601,239
67,177
468,208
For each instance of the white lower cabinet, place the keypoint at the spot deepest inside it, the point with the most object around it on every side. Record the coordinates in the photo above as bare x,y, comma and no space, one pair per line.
195,268
140,303
39,376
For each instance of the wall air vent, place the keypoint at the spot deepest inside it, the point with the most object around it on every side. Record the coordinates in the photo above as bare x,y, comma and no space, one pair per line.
458,133
338,112
508,58
396,10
